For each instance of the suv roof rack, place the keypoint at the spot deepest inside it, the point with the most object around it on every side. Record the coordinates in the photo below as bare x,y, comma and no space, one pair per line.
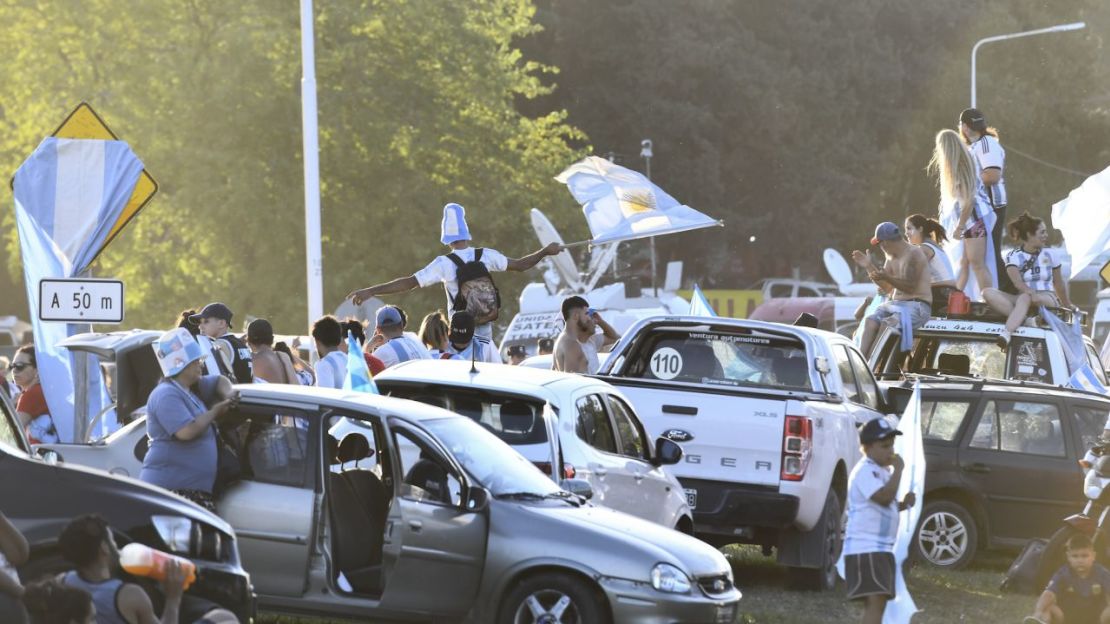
980,311
978,383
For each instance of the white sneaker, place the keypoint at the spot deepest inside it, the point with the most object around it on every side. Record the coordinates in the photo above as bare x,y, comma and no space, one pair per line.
1032,619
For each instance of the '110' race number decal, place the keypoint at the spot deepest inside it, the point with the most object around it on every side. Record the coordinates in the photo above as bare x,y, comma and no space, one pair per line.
666,363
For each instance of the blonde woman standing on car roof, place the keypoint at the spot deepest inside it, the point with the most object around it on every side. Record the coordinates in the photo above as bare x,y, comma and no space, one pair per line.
1035,272
968,220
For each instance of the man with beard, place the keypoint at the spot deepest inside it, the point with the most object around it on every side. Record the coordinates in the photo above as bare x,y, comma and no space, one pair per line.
577,347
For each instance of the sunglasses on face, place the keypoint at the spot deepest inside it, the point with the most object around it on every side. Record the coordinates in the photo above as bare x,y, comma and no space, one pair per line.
19,366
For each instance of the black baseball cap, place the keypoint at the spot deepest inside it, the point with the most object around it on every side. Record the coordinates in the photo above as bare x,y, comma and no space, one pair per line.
974,119
517,350
877,429
259,331
462,327
212,310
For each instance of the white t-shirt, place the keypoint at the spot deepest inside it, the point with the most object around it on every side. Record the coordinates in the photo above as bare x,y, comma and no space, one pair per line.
442,269
1036,268
402,349
871,527
331,370
988,153
486,351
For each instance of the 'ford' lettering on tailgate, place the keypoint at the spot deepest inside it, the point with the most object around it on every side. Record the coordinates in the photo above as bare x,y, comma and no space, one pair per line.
678,435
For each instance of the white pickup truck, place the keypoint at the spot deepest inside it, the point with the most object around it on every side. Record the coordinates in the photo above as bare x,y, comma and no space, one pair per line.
766,414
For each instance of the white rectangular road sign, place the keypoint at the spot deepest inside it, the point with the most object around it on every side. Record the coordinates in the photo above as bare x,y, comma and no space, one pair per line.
81,300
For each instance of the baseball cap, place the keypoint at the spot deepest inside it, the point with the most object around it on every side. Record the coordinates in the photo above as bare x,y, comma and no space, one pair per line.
259,331
462,327
886,231
212,310
388,315
175,350
974,119
877,429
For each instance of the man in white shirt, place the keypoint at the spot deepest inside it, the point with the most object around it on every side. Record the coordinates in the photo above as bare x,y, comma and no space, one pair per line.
331,369
577,347
463,344
455,234
390,343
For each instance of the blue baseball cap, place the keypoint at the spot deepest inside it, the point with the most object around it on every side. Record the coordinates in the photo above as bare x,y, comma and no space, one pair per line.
886,231
388,315
877,429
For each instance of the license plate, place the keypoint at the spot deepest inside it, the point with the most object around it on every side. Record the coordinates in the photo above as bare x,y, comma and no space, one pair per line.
726,614
691,498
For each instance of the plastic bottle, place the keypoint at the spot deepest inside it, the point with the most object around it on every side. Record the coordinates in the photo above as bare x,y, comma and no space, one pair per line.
143,560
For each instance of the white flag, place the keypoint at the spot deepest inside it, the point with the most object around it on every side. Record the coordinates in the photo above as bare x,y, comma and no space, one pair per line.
1084,220
909,446
621,204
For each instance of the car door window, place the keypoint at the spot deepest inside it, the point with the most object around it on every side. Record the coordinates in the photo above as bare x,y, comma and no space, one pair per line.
941,420
426,477
593,425
847,375
781,290
273,447
1096,363
633,440
868,388
1020,427
1091,421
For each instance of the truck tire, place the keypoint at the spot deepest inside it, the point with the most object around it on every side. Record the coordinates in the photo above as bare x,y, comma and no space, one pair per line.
828,536
946,535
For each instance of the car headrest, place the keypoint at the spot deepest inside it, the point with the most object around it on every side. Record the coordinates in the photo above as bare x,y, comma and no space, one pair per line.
790,371
353,448
516,416
699,360
954,364
471,408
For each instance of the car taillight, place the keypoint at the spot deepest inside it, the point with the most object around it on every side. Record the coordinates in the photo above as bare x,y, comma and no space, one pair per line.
797,443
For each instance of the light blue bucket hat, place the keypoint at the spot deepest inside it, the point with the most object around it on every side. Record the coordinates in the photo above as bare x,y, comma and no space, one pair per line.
454,227
175,350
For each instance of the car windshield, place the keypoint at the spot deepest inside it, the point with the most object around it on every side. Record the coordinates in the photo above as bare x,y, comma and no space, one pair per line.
979,357
735,357
494,464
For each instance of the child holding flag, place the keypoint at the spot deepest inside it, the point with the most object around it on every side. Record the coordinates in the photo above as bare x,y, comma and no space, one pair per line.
873,519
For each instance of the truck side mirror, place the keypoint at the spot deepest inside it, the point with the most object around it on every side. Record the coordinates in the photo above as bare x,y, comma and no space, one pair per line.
477,499
667,452
578,487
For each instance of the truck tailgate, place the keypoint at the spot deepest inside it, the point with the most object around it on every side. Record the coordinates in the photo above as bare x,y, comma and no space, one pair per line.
723,439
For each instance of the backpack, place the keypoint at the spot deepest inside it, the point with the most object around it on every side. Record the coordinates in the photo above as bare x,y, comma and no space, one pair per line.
1022,575
477,292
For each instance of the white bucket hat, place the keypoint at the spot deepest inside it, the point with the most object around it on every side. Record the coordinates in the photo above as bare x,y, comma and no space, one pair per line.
175,350
453,228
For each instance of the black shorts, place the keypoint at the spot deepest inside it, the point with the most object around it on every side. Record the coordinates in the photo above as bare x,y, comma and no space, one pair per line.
869,574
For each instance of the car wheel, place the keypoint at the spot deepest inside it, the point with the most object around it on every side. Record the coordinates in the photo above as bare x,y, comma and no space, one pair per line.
553,598
946,535
831,541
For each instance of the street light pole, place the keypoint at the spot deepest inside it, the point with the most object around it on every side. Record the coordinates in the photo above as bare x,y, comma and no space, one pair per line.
1027,33
646,154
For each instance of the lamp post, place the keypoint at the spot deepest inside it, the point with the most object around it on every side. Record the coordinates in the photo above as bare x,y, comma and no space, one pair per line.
646,154
313,253
1027,33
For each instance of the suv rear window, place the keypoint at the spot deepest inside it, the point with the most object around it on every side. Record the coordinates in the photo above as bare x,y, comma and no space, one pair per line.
516,421
714,357
1028,358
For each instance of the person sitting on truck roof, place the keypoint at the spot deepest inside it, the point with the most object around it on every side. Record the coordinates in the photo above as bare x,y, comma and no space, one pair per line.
907,271
929,235
1035,271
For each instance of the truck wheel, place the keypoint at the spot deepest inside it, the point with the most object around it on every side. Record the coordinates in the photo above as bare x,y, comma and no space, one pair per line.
946,535
553,597
831,541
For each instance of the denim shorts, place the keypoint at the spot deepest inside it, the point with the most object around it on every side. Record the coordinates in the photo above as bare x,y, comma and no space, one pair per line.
889,312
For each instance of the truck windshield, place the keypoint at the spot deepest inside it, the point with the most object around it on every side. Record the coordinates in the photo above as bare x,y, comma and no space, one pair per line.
975,357
720,358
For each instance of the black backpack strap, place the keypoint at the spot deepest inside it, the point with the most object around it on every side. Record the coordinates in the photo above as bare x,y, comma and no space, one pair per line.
478,255
457,260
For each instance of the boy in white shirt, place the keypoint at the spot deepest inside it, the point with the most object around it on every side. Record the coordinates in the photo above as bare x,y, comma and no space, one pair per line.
873,519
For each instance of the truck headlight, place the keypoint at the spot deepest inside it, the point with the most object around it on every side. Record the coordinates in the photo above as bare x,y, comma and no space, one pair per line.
177,532
667,578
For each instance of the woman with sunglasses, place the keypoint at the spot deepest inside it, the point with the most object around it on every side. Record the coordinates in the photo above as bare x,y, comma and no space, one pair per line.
31,407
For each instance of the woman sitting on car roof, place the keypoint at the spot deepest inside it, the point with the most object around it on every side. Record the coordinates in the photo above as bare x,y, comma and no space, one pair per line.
1035,271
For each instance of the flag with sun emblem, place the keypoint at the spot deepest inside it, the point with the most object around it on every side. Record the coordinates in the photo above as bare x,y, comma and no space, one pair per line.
621,204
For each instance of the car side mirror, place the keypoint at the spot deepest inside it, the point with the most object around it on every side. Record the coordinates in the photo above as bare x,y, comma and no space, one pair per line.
578,487
667,452
477,499
49,456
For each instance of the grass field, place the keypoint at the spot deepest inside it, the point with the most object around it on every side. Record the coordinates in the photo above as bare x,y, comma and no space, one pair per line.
969,595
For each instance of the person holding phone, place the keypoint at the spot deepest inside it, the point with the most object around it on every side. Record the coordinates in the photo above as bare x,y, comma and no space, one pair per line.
577,347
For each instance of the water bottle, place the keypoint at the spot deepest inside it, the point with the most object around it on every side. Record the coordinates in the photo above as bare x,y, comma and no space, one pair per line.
143,560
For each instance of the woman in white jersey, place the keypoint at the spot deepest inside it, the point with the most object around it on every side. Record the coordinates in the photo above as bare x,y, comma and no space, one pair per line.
929,235
962,213
1034,271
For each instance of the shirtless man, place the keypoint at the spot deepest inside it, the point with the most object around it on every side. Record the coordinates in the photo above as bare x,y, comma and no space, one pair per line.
269,365
577,347
907,271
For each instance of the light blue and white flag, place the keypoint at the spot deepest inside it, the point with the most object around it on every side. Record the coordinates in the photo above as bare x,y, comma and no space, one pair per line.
358,374
1084,220
68,195
1086,379
1071,338
699,305
910,446
621,204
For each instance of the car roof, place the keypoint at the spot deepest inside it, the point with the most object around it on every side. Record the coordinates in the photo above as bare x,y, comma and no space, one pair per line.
288,393
489,376
723,321
1005,385
108,345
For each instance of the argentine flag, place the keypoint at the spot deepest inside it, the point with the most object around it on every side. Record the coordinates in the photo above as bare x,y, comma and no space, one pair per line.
358,375
699,305
68,195
1086,379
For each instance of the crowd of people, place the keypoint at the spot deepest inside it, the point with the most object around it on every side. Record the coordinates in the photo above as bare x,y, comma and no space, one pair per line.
931,262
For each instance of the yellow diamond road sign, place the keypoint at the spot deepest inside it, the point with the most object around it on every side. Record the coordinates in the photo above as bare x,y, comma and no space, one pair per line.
1104,272
84,123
